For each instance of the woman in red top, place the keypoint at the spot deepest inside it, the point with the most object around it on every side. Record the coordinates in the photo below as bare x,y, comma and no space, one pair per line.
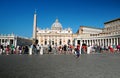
78,50
7,50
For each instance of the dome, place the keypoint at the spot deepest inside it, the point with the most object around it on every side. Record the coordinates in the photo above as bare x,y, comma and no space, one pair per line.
56,25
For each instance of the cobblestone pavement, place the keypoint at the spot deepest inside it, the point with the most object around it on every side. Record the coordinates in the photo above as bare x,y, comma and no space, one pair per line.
60,66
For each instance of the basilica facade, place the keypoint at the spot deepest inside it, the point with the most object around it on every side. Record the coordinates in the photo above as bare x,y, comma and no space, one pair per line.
54,36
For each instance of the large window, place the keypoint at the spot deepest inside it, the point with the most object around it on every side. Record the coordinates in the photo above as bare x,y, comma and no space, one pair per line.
78,41
52,42
2,40
11,42
45,41
60,42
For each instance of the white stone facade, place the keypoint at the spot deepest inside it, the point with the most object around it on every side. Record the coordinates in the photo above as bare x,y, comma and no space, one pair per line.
8,39
55,36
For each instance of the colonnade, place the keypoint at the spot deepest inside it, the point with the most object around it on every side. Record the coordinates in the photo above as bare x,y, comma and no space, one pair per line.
101,41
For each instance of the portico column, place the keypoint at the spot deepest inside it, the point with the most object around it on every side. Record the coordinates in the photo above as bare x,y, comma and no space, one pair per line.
81,42
75,42
15,42
114,41
105,42
108,41
111,41
8,41
95,41
91,42
117,40
87,42
100,42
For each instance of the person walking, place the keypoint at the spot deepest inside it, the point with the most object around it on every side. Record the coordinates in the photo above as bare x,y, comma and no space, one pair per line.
49,49
7,50
78,51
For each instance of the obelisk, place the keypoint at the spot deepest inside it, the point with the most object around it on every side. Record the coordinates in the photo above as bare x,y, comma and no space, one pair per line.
35,26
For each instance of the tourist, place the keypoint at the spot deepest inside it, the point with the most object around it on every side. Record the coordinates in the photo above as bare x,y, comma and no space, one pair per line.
12,49
60,49
26,50
34,49
65,48
78,51
49,49
118,47
111,49
20,50
7,50
38,48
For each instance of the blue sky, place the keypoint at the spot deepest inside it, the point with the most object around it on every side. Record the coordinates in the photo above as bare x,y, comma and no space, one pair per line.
16,16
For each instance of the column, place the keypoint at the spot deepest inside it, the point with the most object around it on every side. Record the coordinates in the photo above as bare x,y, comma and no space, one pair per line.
100,42
117,40
111,41
75,42
15,42
81,42
43,40
90,41
48,40
87,42
108,41
93,42
8,42
105,42
114,41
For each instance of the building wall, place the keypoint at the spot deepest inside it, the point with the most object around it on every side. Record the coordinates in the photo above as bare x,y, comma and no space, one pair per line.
54,38
8,39
112,27
109,36
89,30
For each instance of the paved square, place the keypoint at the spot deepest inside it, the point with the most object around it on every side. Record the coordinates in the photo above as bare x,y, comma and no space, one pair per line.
60,66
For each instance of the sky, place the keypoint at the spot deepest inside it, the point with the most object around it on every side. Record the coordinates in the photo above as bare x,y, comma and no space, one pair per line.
16,16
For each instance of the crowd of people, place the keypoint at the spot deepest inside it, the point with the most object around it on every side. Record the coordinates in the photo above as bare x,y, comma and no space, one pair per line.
62,49
11,49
